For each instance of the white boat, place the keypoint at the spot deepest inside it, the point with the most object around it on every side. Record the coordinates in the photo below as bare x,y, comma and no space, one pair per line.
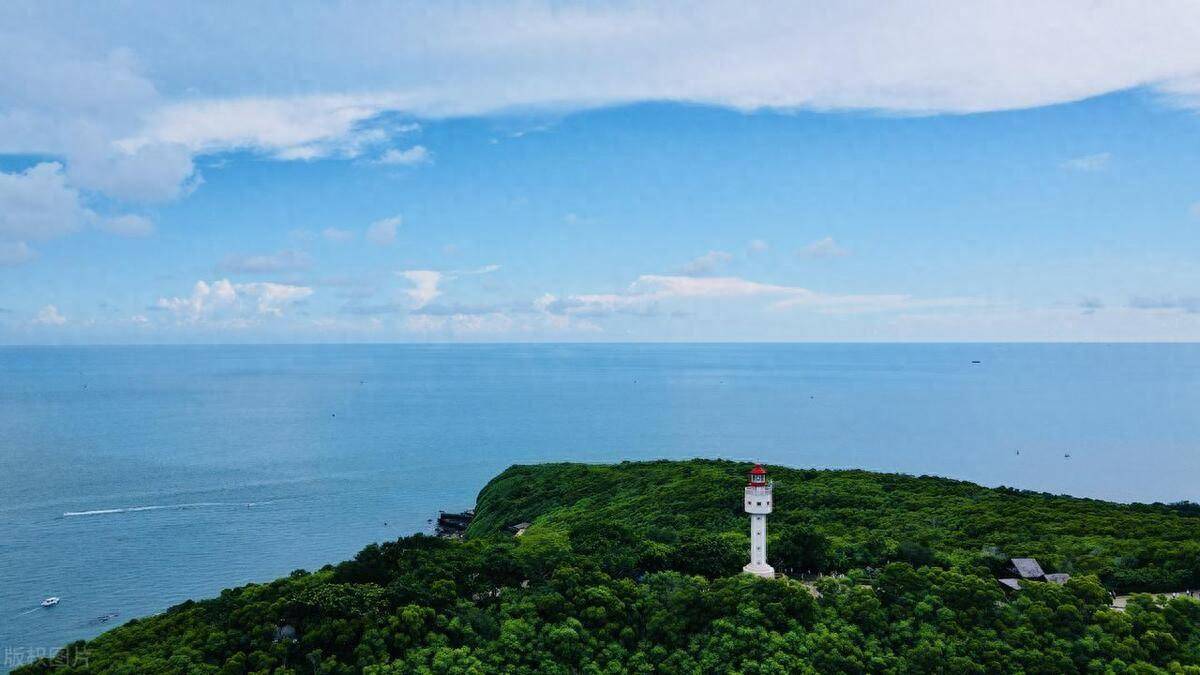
50,602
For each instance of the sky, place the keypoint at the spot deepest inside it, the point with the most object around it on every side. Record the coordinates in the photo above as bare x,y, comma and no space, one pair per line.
604,171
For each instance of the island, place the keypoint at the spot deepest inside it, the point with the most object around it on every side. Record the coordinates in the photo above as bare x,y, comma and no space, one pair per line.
638,567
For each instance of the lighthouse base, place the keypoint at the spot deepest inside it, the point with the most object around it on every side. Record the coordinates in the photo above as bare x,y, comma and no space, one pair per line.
760,569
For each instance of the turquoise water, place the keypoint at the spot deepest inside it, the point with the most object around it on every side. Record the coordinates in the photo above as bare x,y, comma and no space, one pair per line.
137,477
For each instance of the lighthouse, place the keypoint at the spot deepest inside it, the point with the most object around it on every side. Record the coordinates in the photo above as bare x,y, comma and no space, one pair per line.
758,505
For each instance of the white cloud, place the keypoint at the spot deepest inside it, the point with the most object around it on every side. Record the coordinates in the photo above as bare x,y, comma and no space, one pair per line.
283,261
413,156
856,56
451,60
757,246
38,204
128,225
649,293
383,232
205,299
1182,91
706,264
337,235
425,286
49,316
1195,210
77,88
273,297
303,128
58,100
233,304
151,172
785,297
14,253
824,248
289,128
661,286
1088,163
595,304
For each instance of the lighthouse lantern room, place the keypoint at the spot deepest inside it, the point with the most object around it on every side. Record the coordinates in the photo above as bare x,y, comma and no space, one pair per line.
758,504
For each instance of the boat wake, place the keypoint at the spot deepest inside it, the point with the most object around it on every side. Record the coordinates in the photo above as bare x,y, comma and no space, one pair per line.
163,507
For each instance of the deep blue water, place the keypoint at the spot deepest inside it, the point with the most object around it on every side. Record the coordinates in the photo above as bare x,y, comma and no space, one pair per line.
260,460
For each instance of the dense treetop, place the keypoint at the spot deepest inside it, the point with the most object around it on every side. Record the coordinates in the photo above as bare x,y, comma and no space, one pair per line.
841,520
634,568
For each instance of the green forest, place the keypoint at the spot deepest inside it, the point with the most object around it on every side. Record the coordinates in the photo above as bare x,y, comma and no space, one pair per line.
635,567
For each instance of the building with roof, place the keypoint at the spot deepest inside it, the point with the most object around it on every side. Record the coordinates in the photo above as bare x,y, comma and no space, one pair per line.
1026,568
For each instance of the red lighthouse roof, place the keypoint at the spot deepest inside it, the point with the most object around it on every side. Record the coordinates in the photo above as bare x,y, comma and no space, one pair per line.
758,476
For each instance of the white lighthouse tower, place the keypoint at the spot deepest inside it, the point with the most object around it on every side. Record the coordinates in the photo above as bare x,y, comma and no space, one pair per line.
758,505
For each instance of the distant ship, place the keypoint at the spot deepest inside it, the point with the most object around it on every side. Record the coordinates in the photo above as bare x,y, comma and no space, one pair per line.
50,602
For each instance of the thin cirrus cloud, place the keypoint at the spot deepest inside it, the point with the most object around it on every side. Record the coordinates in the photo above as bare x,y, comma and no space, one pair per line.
825,247
648,296
414,156
706,264
1088,163
283,261
1187,304
128,225
645,295
337,235
15,253
383,232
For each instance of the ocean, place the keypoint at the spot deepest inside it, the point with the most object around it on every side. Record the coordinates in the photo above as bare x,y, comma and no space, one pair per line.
135,478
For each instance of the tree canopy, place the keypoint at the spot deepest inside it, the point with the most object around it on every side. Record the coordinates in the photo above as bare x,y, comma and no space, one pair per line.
634,568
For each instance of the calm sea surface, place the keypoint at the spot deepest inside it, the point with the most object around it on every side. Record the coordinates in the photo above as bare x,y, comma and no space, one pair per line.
134,478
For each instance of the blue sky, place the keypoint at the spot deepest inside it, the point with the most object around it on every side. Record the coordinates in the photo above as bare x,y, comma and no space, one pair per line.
597,173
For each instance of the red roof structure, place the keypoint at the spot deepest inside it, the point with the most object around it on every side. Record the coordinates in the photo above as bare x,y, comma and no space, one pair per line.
758,475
